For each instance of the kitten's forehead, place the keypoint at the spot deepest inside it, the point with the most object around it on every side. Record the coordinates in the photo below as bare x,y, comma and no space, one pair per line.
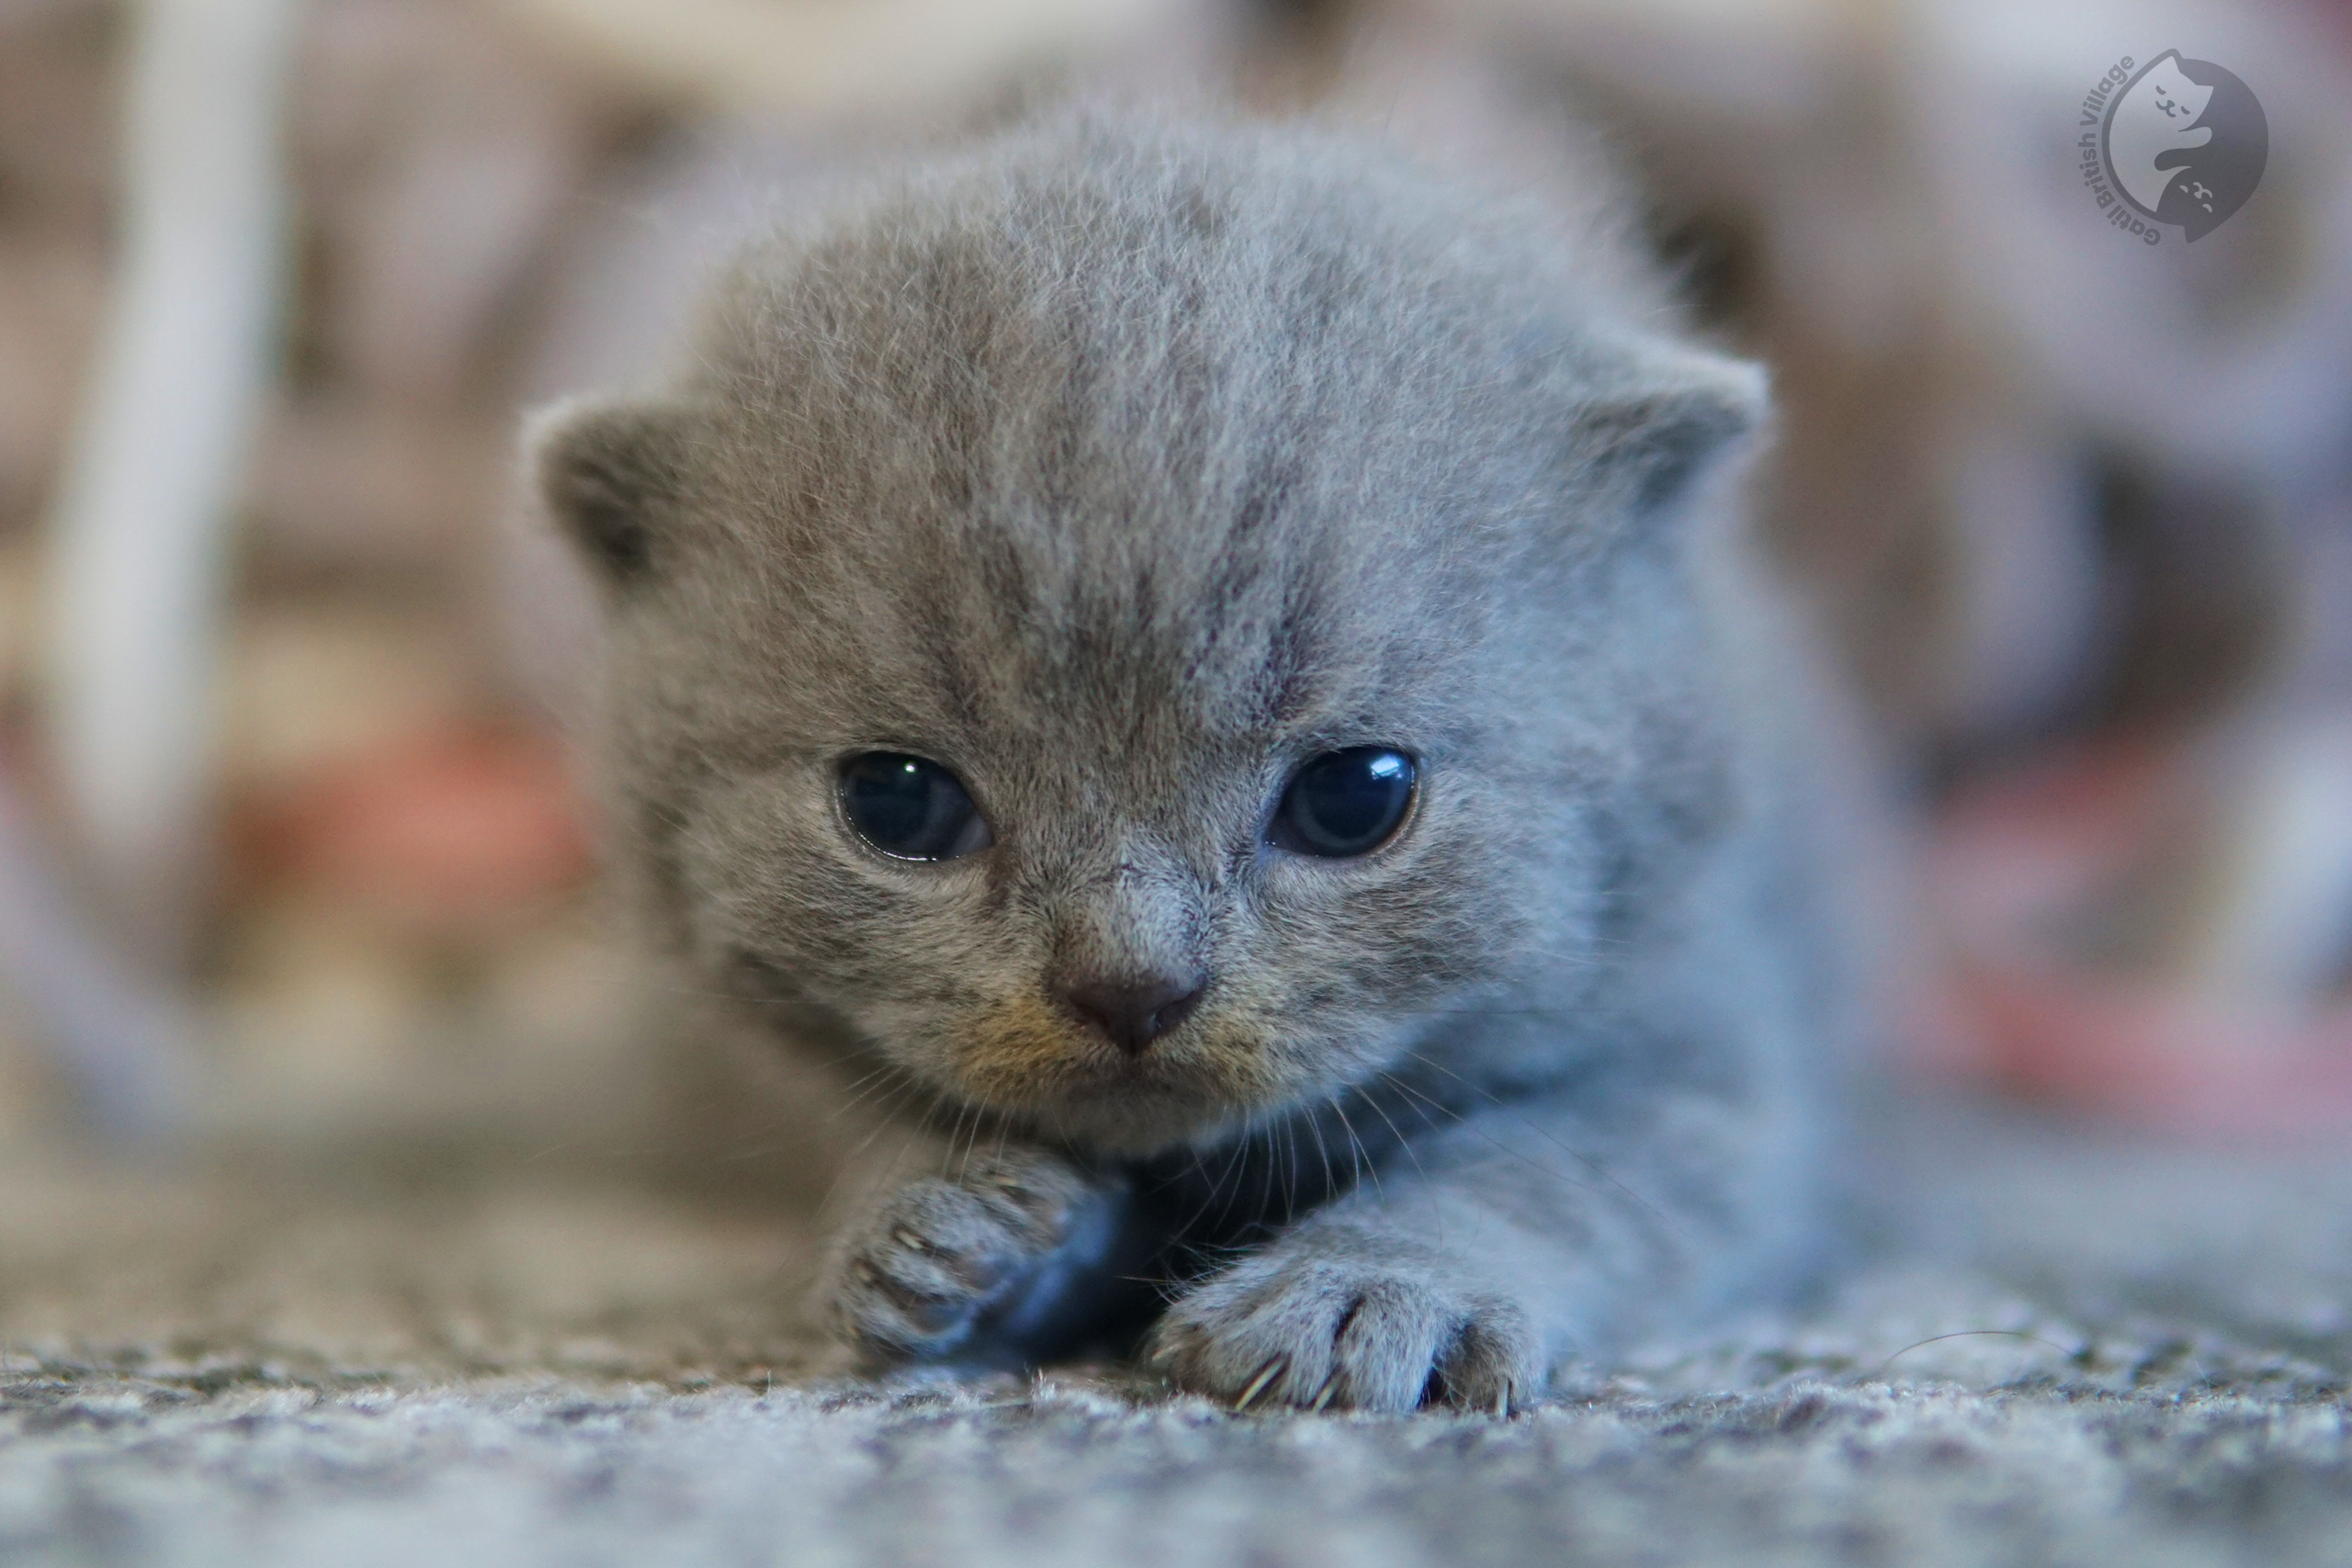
1159,437
1185,618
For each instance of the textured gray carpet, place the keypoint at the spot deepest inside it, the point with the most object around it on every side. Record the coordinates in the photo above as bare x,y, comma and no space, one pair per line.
529,1368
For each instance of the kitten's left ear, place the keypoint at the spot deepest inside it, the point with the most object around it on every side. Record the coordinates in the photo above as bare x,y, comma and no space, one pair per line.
612,478
1650,449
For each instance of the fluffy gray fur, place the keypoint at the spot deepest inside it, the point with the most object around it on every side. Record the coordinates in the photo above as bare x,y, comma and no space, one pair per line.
1121,466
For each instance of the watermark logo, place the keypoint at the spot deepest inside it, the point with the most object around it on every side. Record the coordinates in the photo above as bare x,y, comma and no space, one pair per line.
2176,142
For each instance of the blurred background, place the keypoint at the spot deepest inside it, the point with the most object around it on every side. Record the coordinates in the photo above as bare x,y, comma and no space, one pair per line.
293,854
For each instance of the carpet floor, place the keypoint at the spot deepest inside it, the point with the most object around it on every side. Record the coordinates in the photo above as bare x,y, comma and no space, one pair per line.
2068,1349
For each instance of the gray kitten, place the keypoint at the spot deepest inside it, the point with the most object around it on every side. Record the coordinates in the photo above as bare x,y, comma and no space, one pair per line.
1223,667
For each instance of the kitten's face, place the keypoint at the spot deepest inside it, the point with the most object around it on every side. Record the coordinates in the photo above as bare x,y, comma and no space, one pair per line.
1126,937
1128,839
1137,705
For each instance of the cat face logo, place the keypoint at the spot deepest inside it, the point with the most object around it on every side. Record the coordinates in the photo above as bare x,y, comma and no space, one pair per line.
2182,143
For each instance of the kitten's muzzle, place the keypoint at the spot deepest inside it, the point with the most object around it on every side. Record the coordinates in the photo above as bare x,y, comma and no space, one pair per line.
1131,1012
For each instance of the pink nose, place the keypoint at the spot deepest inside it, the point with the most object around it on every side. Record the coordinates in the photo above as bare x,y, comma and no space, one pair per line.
1131,1014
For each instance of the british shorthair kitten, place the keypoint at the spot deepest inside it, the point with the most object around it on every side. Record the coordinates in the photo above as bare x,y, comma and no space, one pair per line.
1225,670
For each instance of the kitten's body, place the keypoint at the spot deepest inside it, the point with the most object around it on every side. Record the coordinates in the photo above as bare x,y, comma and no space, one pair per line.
1119,468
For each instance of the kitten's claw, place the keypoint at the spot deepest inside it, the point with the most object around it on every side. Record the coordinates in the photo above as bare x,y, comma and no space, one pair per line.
1315,1326
1266,1373
941,1263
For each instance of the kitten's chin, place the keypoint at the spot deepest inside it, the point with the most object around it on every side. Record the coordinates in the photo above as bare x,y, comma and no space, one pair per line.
1135,1125
1127,1109
1028,1064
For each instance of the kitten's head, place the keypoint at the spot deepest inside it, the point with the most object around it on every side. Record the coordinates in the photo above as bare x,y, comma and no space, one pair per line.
1132,628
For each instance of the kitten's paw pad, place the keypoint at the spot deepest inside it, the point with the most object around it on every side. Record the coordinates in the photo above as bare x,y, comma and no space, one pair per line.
939,1261
1320,1333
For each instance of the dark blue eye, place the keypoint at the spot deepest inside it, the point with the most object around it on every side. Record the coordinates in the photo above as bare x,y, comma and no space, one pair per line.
1344,803
910,808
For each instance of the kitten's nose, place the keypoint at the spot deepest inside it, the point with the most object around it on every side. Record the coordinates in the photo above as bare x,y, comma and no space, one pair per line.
1134,1013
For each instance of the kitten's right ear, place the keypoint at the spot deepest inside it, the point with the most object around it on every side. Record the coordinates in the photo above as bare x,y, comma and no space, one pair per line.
612,476
1652,449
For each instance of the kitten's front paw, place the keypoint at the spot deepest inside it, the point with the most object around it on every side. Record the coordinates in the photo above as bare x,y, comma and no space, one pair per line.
973,1265
1318,1328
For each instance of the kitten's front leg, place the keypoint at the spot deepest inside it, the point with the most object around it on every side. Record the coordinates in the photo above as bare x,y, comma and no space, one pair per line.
1515,1236
1361,1316
993,1264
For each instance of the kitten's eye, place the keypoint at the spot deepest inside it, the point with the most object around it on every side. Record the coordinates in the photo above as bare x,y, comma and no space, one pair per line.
1344,803
911,809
